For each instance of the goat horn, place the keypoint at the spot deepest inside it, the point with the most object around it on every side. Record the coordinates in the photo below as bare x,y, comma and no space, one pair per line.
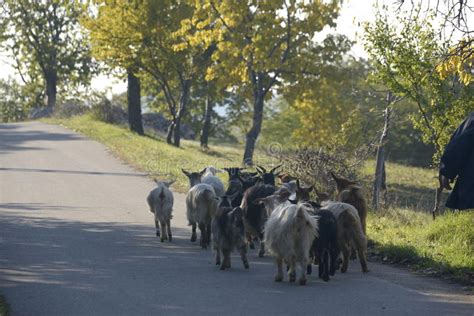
271,171
262,170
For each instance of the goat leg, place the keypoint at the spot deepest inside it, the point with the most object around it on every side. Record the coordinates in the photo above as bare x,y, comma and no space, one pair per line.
226,261
168,227
438,195
193,235
163,231
218,256
279,275
345,258
292,271
203,240
243,255
302,280
157,226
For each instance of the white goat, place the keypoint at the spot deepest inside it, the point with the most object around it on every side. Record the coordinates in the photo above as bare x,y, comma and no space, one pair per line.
201,206
210,178
161,202
289,234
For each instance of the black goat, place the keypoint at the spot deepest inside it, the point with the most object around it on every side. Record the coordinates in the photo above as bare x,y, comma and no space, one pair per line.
255,214
325,248
228,233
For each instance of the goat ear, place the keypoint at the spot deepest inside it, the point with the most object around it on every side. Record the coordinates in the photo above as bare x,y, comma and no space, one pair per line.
169,183
186,172
156,180
203,171
298,183
311,188
293,201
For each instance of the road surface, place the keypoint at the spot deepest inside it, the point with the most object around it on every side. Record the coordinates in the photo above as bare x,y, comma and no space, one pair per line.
77,239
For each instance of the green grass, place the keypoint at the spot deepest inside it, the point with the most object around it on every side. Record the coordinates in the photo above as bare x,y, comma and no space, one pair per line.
153,155
444,246
402,231
4,308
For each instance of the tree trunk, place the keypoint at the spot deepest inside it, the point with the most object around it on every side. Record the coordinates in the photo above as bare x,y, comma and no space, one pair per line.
207,123
169,135
379,181
134,104
252,135
51,78
183,102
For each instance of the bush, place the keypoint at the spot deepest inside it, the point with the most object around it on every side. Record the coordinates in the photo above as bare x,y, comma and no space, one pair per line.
313,166
105,111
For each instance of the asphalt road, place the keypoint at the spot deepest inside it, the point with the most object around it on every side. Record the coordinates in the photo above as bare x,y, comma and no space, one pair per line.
77,239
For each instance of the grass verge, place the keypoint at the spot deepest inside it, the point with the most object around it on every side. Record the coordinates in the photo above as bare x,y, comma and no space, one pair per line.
4,308
153,155
441,247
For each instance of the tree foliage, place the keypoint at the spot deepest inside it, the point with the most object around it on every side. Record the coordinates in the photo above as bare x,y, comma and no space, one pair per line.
258,45
149,37
404,60
46,43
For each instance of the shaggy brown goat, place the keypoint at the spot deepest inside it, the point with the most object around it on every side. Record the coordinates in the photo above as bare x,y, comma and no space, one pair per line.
349,233
350,192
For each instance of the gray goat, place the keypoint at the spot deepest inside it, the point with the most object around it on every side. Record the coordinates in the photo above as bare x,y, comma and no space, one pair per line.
161,201
201,206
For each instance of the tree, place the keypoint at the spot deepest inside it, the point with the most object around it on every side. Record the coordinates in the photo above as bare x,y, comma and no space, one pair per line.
151,33
404,60
258,44
114,44
46,42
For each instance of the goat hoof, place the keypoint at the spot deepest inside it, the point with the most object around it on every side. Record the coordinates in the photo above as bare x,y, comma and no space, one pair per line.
325,279
157,234
261,253
302,281
162,239
365,270
309,269
193,238
343,270
251,245
278,278
292,278
170,238
246,265
222,267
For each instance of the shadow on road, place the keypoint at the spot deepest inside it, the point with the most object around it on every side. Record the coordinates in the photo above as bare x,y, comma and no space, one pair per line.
122,174
59,266
12,137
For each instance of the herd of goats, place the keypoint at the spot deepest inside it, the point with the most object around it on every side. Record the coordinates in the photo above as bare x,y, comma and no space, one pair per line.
288,224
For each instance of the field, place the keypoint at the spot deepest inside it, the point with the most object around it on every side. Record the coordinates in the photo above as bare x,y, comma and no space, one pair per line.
401,232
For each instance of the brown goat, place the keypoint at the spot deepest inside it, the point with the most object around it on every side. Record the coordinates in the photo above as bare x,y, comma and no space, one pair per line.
349,233
350,192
